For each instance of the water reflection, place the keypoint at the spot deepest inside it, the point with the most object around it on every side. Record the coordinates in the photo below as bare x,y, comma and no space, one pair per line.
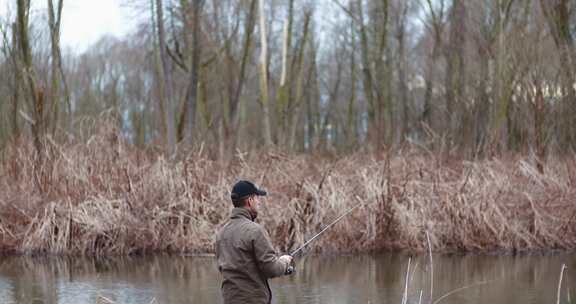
337,280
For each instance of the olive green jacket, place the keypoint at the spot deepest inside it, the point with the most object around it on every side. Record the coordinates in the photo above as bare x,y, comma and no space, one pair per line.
246,260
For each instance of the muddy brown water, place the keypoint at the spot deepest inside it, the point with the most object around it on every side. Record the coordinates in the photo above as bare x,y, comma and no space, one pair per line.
359,279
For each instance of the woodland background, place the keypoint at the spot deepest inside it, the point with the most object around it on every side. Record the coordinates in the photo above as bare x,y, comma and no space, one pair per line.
483,76
452,120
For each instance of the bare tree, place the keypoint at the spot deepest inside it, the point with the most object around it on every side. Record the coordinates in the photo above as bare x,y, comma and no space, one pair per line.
455,73
283,100
558,15
10,51
373,98
165,80
36,100
369,79
192,89
435,28
296,101
57,73
247,50
264,94
401,66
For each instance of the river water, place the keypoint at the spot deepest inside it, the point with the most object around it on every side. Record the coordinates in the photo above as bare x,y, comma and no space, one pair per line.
495,279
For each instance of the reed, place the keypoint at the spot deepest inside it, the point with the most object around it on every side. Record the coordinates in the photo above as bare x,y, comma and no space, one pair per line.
104,196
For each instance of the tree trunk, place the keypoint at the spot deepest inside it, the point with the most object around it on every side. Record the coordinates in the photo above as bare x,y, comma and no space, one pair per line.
455,68
284,98
351,124
192,89
57,74
402,86
500,106
264,78
36,96
482,105
295,105
16,80
431,61
235,103
384,107
539,113
374,132
165,81
325,131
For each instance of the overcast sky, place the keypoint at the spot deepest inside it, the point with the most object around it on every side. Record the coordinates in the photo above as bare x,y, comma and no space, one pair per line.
83,21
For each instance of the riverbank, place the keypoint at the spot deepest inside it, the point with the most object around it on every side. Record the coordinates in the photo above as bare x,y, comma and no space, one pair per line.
105,197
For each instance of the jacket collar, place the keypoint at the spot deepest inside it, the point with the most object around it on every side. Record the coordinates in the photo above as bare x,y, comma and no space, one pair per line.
238,213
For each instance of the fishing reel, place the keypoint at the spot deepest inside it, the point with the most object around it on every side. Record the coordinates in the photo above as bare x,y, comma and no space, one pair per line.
291,268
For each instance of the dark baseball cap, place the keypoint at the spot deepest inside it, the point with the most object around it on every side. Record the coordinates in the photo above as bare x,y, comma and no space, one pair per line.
243,189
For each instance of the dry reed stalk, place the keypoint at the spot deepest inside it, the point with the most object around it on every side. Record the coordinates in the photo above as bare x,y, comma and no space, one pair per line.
104,196
405,293
560,283
431,268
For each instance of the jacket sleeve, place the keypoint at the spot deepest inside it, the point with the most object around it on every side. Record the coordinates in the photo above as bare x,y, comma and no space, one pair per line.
266,257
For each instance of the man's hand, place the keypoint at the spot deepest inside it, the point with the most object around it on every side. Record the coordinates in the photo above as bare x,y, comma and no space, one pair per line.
286,259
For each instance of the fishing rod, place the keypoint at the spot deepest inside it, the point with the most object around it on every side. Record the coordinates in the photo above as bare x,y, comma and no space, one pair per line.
290,269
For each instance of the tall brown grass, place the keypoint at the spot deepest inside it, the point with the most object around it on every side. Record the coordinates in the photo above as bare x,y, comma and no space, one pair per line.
104,196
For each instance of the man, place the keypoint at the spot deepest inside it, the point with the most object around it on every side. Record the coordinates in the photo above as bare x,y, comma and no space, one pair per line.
246,258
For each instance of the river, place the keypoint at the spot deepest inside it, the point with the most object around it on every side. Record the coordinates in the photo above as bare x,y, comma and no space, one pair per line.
366,279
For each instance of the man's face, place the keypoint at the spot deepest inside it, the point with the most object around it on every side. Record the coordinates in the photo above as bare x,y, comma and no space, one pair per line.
253,202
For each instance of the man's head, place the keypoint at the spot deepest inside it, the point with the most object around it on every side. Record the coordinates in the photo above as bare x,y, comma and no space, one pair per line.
245,195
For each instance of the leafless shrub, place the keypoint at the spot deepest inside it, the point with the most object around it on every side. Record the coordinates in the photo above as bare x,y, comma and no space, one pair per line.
107,197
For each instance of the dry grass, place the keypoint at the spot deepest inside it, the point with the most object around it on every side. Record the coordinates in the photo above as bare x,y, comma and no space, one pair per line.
106,197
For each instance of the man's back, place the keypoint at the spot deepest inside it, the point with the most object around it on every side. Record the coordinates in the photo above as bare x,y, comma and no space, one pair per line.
246,260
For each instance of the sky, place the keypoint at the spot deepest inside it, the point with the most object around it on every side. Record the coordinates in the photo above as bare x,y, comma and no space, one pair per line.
83,21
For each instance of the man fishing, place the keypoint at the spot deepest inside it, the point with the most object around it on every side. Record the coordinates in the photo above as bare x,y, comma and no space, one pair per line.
246,258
